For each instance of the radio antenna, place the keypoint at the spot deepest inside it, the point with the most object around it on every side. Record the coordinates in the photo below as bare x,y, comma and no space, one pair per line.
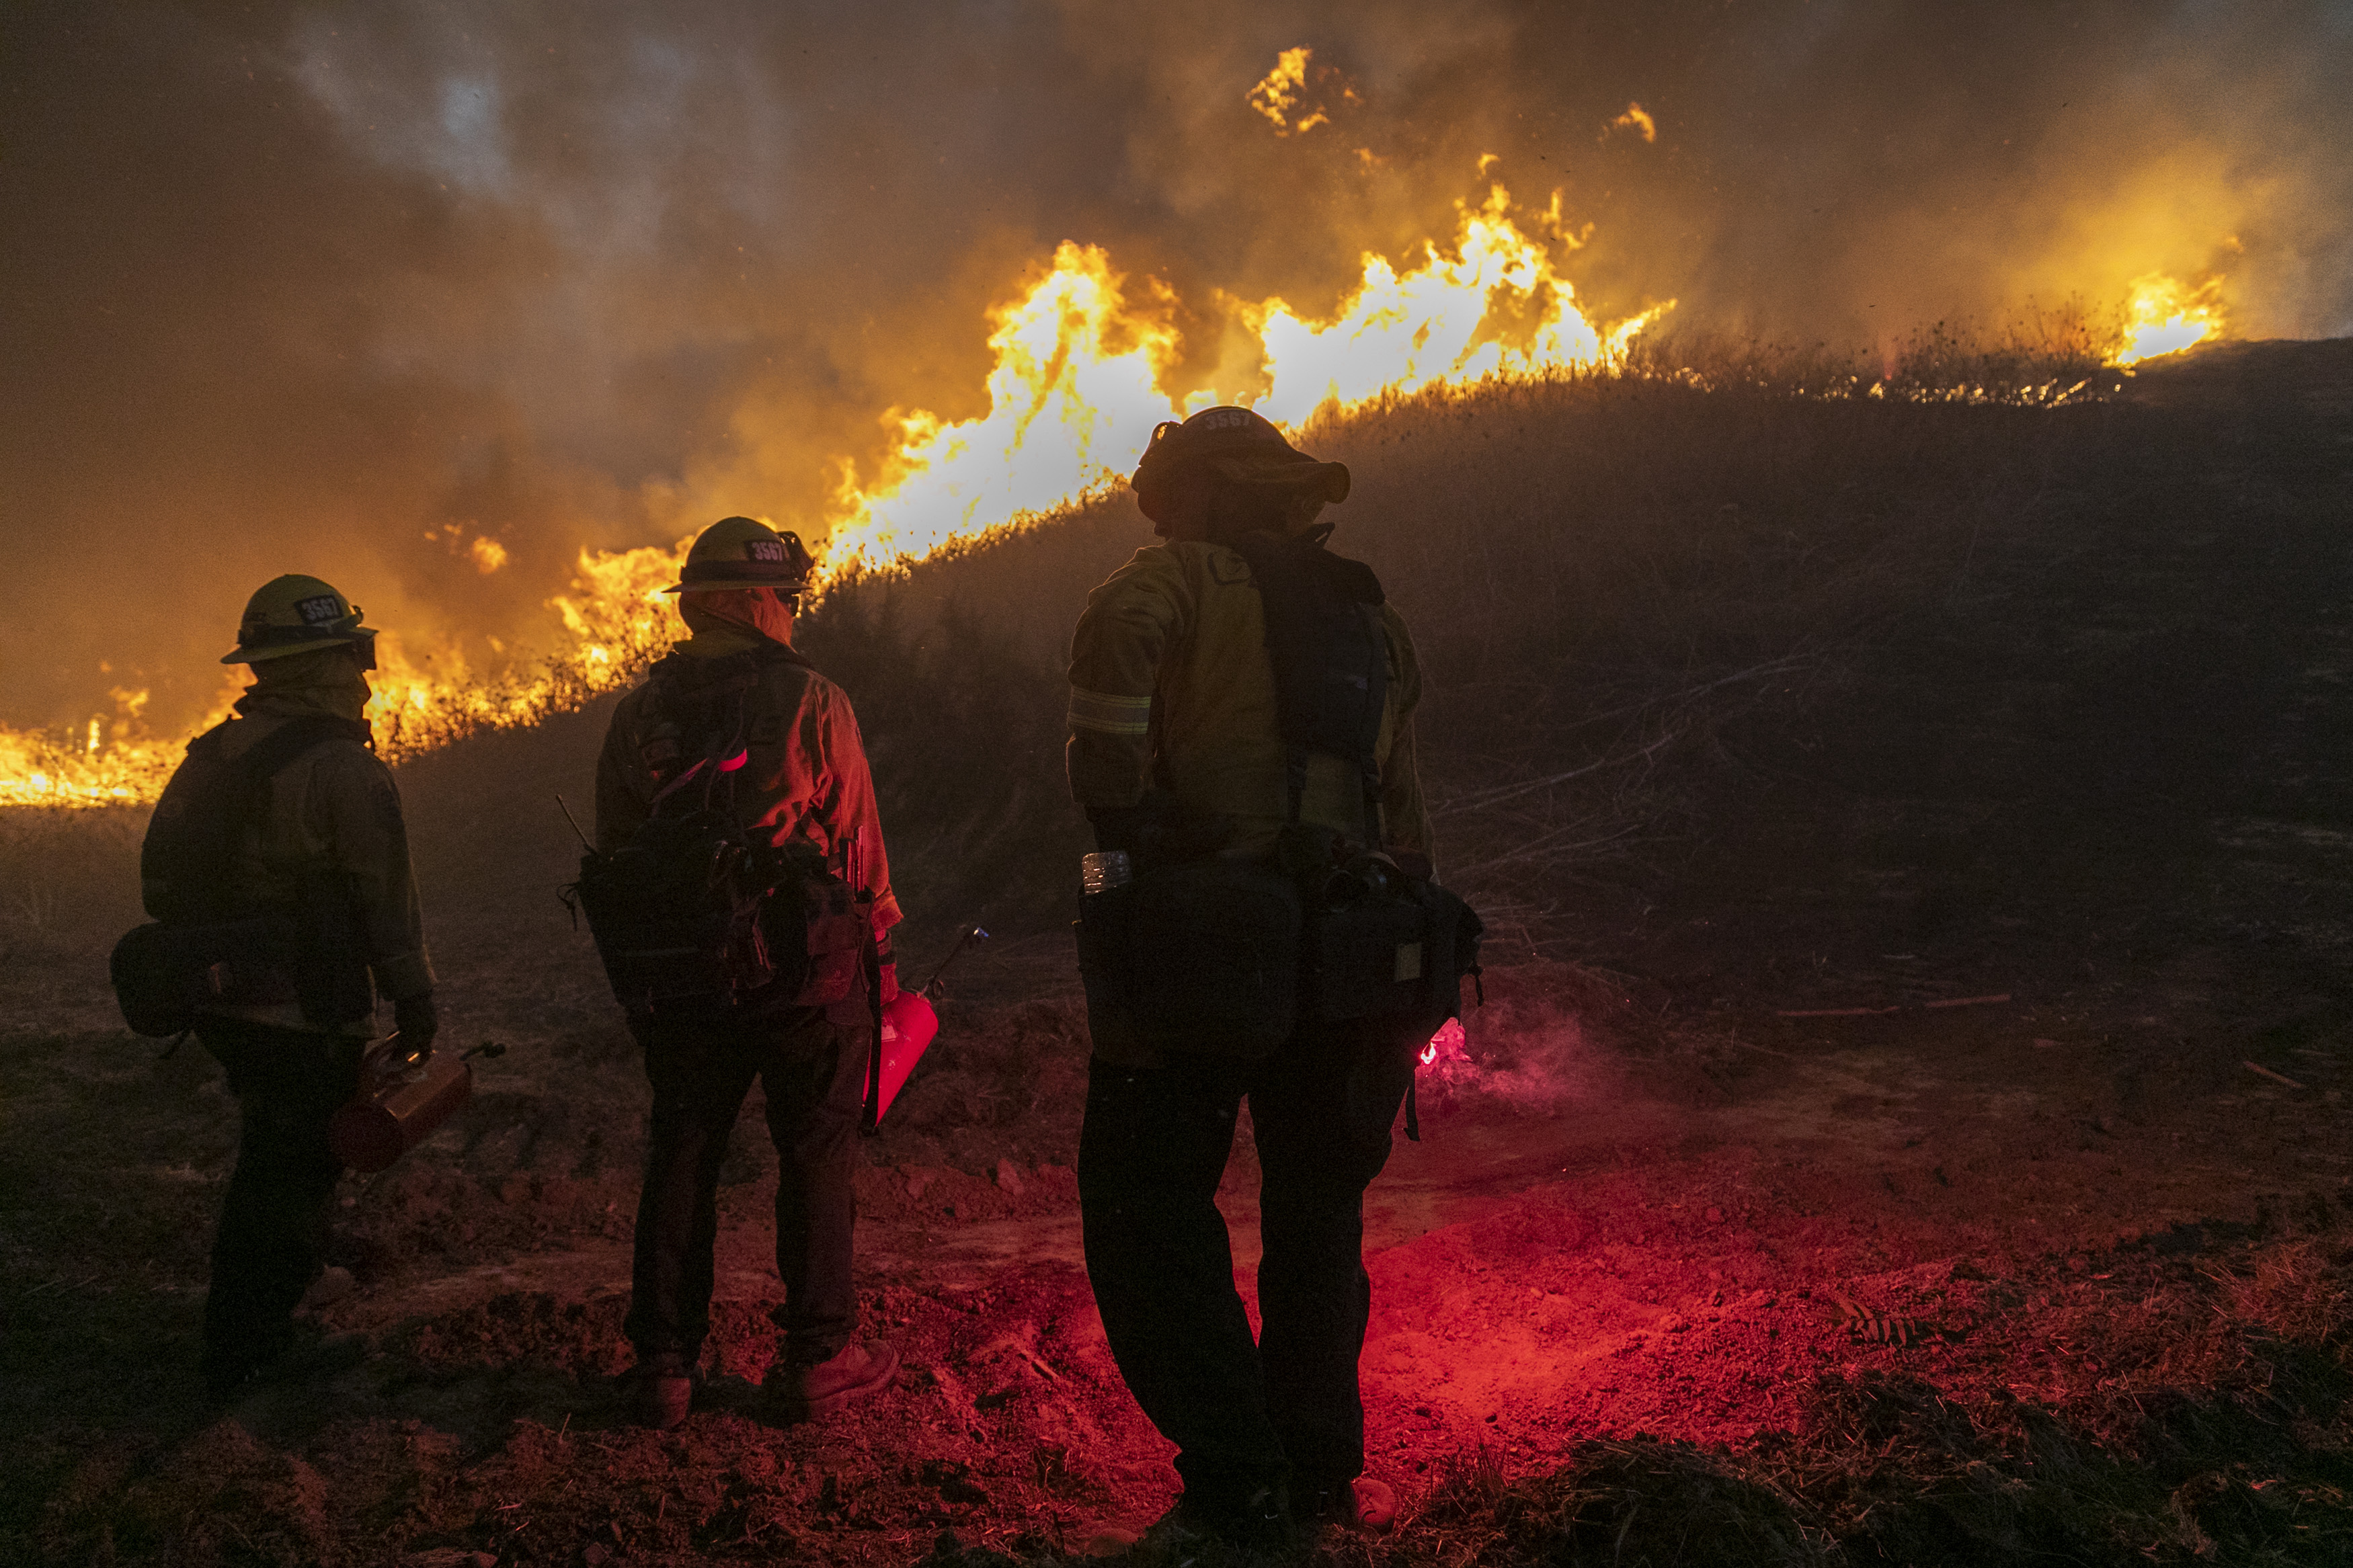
575,823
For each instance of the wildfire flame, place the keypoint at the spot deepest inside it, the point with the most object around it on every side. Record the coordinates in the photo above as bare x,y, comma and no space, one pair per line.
1072,405
616,619
1083,364
1448,320
2163,316
1492,304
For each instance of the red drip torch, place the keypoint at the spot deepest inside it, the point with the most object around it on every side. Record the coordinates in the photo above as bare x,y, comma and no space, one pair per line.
404,1098
909,1025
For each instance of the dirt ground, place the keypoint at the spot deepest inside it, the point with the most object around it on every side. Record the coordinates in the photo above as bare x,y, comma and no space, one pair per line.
1939,1156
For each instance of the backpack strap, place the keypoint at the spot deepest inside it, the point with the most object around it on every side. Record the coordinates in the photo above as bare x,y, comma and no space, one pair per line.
190,851
1330,660
271,754
277,751
688,694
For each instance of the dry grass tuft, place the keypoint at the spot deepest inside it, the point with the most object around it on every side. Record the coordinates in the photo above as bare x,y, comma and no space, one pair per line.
1644,1503
2295,1291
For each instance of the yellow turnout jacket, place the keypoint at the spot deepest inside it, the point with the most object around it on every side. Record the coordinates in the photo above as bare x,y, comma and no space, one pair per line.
332,809
1171,687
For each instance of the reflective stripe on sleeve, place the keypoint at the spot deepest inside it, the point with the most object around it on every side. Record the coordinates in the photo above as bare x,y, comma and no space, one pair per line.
1110,715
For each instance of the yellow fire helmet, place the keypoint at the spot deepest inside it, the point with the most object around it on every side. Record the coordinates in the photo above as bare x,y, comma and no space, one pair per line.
744,553
295,614
1240,447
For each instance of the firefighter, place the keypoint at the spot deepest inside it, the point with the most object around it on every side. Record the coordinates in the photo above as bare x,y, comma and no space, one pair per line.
303,824
1177,753
795,771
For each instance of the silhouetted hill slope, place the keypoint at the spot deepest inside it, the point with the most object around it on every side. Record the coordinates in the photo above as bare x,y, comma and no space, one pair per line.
1846,678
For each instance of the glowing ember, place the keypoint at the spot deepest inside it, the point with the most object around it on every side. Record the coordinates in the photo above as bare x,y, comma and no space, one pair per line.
1274,96
2165,317
1446,1045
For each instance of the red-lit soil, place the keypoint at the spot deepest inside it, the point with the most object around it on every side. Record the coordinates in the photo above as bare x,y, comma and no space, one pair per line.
1713,1246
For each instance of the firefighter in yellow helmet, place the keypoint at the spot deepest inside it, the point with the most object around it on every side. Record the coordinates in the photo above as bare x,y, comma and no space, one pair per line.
1242,728
282,825
736,721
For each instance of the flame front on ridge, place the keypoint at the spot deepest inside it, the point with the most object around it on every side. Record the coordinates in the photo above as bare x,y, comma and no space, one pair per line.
2163,316
1083,362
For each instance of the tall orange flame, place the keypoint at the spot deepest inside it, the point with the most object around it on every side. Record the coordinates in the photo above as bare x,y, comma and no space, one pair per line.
1082,366
1494,308
1072,404
2163,316
1491,304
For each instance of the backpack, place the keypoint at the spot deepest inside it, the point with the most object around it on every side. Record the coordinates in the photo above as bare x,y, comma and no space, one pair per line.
207,945
1238,953
696,909
1378,943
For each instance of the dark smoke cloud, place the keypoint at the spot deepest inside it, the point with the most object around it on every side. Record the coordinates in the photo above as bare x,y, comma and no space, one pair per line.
346,287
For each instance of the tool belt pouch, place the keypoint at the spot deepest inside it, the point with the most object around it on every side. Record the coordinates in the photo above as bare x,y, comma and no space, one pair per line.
815,932
1200,959
164,972
1104,920
1102,929
671,916
1398,955
1454,929
1367,959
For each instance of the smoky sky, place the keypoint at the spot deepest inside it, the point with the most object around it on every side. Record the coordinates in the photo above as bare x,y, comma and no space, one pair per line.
347,289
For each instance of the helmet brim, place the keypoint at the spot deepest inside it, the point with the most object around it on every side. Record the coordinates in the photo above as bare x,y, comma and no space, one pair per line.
1328,481
307,645
1294,473
685,588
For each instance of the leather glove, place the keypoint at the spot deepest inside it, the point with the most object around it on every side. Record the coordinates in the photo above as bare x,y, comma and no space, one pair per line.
417,1022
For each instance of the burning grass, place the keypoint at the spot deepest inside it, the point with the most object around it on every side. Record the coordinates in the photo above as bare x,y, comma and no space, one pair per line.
956,490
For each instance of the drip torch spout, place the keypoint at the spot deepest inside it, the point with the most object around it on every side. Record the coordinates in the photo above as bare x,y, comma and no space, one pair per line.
965,938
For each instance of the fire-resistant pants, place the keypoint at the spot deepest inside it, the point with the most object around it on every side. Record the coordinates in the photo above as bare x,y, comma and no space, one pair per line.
812,1073
1286,1410
273,1228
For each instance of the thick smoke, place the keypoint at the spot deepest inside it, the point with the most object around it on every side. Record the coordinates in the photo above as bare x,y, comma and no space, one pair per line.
354,289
